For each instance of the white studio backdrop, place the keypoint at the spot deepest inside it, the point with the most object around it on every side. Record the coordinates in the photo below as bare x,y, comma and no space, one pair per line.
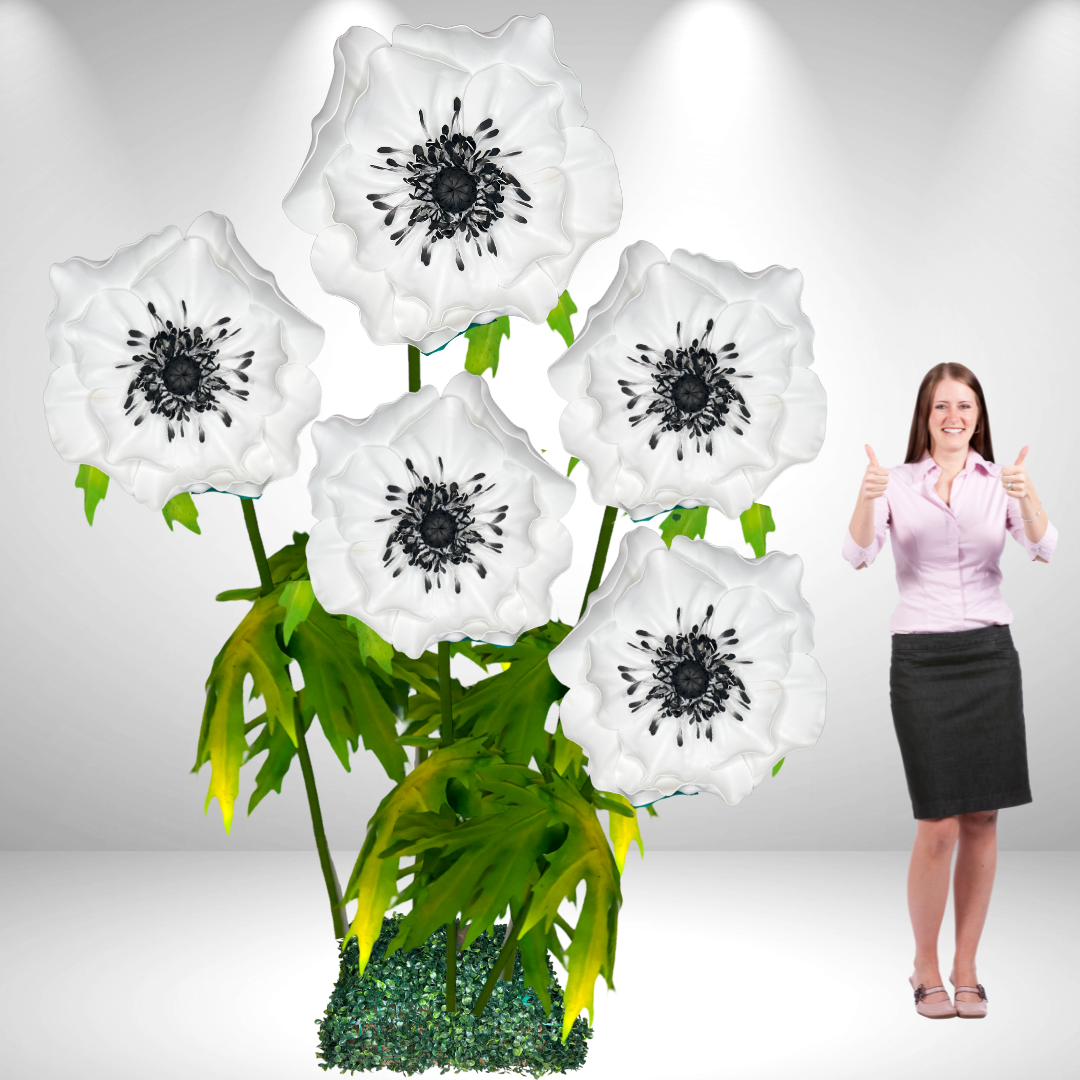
917,160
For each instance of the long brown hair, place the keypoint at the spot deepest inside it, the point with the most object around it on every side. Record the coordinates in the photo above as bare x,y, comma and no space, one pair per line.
919,439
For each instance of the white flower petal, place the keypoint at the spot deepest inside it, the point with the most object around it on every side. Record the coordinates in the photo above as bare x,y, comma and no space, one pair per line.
309,203
527,43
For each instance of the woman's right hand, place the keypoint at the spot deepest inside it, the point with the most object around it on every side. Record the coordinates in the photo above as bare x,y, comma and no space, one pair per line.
875,479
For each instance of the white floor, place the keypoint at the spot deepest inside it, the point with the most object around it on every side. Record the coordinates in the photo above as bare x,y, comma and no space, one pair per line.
730,964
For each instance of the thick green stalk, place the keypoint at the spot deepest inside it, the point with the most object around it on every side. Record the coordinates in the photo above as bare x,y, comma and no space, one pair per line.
252,522
414,369
603,542
333,887
446,737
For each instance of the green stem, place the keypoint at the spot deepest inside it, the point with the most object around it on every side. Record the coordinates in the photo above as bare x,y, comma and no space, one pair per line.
447,730
603,542
252,522
333,887
506,953
414,369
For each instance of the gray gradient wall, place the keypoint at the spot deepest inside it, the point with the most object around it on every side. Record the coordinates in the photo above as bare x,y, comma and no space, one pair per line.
917,160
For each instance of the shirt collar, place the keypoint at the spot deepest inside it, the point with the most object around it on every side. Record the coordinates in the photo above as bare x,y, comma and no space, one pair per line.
975,460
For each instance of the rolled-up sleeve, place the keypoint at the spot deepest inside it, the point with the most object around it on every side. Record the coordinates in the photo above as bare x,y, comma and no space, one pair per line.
1041,549
860,556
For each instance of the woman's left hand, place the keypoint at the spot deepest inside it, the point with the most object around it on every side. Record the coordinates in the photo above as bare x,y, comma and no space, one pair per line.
1015,478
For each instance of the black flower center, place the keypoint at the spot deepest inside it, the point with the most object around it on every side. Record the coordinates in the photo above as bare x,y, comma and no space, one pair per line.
690,393
690,679
453,187
181,376
454,190
688,676
440,528
688,390
182,373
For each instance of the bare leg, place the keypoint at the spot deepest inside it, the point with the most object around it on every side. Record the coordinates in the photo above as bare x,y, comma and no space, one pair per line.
928,890
976,861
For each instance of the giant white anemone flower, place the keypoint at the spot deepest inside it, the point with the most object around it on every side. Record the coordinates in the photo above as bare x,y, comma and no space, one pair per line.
437,520
180,366
690,670
450,180
690,384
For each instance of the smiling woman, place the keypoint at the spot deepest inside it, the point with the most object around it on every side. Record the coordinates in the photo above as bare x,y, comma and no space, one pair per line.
955,682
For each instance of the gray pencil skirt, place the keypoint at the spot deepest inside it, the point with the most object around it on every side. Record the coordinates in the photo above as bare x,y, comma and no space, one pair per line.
958,710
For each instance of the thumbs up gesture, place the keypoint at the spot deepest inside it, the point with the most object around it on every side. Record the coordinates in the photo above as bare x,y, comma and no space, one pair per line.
875,479
1014,477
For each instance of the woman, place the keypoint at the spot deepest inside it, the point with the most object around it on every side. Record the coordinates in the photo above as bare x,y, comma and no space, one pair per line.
955,679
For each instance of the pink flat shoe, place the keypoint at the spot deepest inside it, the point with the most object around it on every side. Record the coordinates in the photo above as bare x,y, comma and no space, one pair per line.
971,1010
932,1010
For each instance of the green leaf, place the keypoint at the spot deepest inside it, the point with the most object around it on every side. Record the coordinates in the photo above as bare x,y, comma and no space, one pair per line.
682,522
251,650
280,752
373,882
296,598
513,705
570,468
623,831
341,691
240,594
484,342
757,522
372,647
776,768
181,508
559,318
94,484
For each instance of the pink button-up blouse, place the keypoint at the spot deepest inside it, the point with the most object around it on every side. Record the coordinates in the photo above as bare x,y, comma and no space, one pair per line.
947,556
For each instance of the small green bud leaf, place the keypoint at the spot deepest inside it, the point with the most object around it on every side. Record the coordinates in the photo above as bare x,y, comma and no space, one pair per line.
756,523
371,645
94,484
570,468
776,767
559,318
296,598
484,342
682,522
240,594
181,508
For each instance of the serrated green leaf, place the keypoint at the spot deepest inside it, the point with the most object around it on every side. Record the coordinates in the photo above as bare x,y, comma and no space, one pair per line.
681,522
373,882
339,689
573,461
181,508
296,598
484,342
372,647
513,705
776,768
757,523
280,752
559,318
623,831
95,484
252,649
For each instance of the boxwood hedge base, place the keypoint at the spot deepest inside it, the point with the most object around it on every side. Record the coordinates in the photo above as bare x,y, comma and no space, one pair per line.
394,1016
